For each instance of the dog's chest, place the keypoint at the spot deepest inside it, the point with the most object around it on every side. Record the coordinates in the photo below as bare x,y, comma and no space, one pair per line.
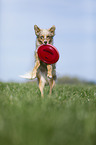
43,67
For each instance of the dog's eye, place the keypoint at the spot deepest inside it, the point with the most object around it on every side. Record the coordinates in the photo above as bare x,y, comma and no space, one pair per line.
41,37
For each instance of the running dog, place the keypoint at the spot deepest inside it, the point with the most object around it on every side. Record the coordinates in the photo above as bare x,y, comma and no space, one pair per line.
42,71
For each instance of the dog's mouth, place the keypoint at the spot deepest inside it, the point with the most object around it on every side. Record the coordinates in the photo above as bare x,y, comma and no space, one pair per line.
45,42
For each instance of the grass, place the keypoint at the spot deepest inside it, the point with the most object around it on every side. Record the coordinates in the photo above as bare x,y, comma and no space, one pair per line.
68,117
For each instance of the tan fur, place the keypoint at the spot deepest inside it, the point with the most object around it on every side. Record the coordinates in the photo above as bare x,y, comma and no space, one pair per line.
42,71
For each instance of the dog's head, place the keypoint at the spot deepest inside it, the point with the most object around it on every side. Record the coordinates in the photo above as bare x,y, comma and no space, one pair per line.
44,36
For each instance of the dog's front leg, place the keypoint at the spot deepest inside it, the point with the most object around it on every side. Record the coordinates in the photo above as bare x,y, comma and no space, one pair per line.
34,72
37,64
49,68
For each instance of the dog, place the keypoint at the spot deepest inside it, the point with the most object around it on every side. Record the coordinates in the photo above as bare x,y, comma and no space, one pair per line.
42,71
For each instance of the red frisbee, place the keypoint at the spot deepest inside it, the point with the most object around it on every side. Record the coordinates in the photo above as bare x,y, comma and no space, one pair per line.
48,53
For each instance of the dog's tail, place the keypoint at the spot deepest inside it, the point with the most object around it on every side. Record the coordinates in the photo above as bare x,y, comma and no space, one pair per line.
27,76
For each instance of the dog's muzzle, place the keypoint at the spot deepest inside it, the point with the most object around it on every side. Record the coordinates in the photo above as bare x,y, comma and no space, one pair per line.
45,42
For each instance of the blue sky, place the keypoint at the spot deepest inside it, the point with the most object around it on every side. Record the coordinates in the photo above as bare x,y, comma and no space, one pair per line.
75,38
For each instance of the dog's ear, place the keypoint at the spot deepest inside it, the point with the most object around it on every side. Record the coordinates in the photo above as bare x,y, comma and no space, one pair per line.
52,30
37,30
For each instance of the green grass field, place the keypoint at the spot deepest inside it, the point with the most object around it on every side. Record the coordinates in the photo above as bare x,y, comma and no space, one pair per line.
67,117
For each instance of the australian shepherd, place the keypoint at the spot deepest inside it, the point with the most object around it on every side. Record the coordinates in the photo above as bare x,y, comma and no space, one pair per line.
42,71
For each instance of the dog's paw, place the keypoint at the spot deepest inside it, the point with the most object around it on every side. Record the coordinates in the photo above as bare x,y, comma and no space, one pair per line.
33,74
49,76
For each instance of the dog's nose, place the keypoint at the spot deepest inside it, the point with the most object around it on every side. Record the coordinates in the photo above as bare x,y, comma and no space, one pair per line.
45,42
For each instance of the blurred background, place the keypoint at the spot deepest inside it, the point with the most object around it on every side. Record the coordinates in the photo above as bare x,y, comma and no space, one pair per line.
75,37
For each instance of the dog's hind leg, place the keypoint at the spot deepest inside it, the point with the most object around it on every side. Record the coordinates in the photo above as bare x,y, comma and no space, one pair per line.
51,84
41,82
